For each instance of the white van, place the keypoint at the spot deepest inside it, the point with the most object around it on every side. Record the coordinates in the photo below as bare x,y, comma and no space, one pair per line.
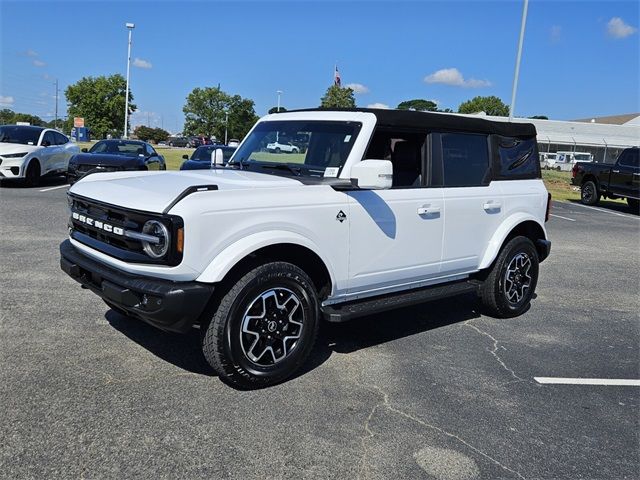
544,159
564,161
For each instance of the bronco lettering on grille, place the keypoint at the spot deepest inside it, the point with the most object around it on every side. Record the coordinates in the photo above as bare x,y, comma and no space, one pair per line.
97,224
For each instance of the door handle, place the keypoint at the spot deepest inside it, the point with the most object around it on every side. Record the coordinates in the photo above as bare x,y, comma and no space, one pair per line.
491,205
428,210
615,171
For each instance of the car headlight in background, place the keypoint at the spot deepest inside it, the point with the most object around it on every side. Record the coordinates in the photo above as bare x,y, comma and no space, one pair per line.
14,155
158,230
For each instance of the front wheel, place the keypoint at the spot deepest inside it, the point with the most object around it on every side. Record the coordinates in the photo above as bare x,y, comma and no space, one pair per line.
589,194
264,326
512,280
32,175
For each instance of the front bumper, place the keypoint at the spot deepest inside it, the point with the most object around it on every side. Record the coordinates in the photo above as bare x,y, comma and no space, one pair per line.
167,305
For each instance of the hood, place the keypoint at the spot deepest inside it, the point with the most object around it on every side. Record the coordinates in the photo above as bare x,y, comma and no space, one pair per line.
105,159
8,148
155,191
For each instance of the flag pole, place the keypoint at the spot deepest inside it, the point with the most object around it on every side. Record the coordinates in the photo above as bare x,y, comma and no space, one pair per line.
518,58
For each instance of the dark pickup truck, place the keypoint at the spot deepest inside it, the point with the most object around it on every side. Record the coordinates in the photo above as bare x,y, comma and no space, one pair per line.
621,180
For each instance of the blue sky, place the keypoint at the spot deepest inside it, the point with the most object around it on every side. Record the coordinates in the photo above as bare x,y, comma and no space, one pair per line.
581,59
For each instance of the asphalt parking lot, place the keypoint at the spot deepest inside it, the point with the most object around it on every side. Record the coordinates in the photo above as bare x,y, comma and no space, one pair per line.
434,391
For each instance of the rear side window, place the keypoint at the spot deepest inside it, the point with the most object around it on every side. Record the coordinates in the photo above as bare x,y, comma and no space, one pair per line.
60,139
629,158
515,158
465,160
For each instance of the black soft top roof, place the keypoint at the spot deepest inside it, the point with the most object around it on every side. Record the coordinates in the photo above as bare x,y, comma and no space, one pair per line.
438,121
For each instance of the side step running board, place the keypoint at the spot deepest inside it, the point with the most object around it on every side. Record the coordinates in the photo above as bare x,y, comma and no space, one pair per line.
343,312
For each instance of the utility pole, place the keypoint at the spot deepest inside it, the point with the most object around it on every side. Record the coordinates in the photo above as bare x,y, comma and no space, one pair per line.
512,107
55,123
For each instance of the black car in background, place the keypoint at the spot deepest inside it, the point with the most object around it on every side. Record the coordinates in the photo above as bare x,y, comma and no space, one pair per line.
114,156
178,141
201,157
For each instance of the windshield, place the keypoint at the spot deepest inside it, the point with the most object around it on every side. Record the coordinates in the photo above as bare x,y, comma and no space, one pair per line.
118,147
19,134
310,148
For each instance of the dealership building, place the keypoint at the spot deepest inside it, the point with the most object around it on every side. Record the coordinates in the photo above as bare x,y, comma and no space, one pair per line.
603,137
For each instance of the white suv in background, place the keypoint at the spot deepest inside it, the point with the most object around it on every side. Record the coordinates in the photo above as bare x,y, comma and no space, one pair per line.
386,208
29,153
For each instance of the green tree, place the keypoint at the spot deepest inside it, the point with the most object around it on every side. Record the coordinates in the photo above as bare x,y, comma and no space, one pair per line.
6,116
100,100
205,109
419,105
490,105
275,110
338,97
27,117
147,134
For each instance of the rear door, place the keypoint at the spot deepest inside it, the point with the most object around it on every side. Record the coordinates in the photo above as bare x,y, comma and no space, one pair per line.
473,204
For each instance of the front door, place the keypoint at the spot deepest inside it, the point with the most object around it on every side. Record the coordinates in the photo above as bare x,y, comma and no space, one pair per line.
396,238
625,175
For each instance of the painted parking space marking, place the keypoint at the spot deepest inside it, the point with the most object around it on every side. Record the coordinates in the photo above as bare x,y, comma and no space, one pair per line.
604,211
54,188
564,218
620,382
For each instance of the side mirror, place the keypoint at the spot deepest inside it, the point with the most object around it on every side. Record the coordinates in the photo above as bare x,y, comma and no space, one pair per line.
217,157
84,150
373,174
186,157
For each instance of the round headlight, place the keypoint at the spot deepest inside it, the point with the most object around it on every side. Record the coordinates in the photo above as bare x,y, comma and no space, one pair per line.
158,230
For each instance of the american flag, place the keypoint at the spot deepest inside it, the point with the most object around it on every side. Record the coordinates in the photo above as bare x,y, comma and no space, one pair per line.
336,77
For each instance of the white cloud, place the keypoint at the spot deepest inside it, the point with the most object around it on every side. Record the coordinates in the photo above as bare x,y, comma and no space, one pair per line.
358,88
555,33
378,105
616,28
452,76
140,63
31,53
39,63
6,101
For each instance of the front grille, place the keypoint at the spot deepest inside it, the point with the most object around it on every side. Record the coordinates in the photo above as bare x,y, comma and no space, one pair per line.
118,219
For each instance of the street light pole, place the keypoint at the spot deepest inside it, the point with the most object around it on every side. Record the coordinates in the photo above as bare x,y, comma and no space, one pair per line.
55,123
130,27
226,125
512,107
279,92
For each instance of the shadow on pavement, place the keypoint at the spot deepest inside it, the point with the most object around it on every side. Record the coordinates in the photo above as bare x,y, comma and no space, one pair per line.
184,351
44,182
613,206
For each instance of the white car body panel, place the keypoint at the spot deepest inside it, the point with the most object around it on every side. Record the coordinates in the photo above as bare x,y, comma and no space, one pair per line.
54,158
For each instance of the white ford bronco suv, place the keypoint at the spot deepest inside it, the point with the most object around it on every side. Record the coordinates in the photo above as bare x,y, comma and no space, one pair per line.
376,210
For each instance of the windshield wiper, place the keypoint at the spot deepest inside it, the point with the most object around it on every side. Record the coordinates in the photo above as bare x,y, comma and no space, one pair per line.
284,166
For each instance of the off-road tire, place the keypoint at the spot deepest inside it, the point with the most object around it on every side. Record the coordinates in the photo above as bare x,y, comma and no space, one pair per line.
492,292
589,194
32,175
222,336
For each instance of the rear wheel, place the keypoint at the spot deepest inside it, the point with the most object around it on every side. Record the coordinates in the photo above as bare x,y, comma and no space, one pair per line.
634,205
32,176
589,194
264,326
277,149
512,280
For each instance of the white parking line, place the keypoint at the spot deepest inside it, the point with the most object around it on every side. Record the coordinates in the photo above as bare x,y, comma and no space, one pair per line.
588,381
54,188
603,210
564,218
